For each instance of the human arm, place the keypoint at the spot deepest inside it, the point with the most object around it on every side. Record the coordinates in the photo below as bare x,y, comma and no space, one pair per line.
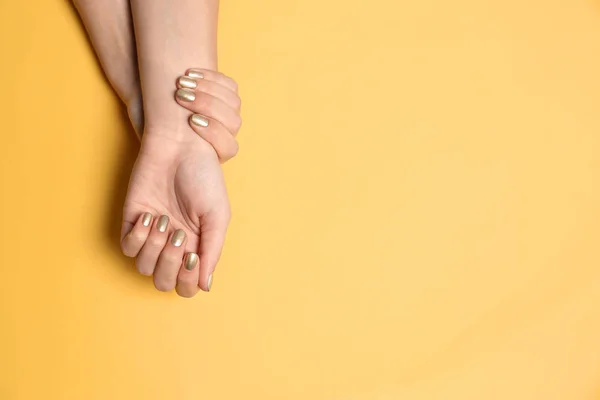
177,174
110,29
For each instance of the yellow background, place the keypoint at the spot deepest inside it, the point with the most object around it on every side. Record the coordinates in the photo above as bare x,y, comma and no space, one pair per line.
416,210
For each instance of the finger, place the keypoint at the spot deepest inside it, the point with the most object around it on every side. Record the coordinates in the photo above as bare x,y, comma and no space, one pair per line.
210,106
213,76
212,238
213,88
148,256
216,134
169,261
187,280
134,240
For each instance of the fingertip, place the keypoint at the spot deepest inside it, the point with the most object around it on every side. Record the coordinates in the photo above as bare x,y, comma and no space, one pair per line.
206,275
209,283
187,281
195,73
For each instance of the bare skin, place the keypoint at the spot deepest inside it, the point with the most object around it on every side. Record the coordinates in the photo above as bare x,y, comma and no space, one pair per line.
177,174
110,28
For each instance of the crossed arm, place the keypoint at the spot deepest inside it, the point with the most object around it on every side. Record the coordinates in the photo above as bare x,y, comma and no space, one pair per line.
176,213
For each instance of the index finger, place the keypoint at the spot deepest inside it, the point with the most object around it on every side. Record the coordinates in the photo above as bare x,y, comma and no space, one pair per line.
213,76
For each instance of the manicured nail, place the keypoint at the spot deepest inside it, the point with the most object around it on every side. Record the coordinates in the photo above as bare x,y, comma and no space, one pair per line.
162,223
191,261
178,238
209,283
199,120
185,95
146,219
186,82
194,73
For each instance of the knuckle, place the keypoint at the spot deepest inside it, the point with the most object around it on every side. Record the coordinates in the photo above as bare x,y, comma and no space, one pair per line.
237,123
233,149
155,242
234,84
237,102
137,237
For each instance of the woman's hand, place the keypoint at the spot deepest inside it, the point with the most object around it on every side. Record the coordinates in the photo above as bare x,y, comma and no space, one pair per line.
176,205
214,100
177,200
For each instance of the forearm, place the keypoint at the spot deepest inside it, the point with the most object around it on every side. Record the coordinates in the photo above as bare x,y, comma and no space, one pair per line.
109,27
172,36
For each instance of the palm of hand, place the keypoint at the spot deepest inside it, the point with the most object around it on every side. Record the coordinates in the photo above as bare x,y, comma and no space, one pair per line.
183,180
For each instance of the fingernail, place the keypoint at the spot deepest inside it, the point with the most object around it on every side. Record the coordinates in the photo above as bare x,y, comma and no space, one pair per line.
199,120
194,73
186,82
191,261
185,95
178,238
209,283
162,223
146,219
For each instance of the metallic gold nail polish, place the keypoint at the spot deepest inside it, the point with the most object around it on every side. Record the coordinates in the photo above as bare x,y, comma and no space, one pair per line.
146,219
185,95
194,73
209,283
178,238
199,120
162,223
191,261
186,82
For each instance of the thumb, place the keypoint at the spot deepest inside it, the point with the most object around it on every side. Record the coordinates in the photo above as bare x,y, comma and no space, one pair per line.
212,237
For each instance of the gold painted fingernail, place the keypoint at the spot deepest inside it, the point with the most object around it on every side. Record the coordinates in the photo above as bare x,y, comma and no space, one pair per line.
162,223
194,73
209,283
199,120
178,238
190,262
146,219
185,95
186,82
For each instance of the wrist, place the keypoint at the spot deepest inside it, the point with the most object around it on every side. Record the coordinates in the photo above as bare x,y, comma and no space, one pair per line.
161,138
178,131
163,116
